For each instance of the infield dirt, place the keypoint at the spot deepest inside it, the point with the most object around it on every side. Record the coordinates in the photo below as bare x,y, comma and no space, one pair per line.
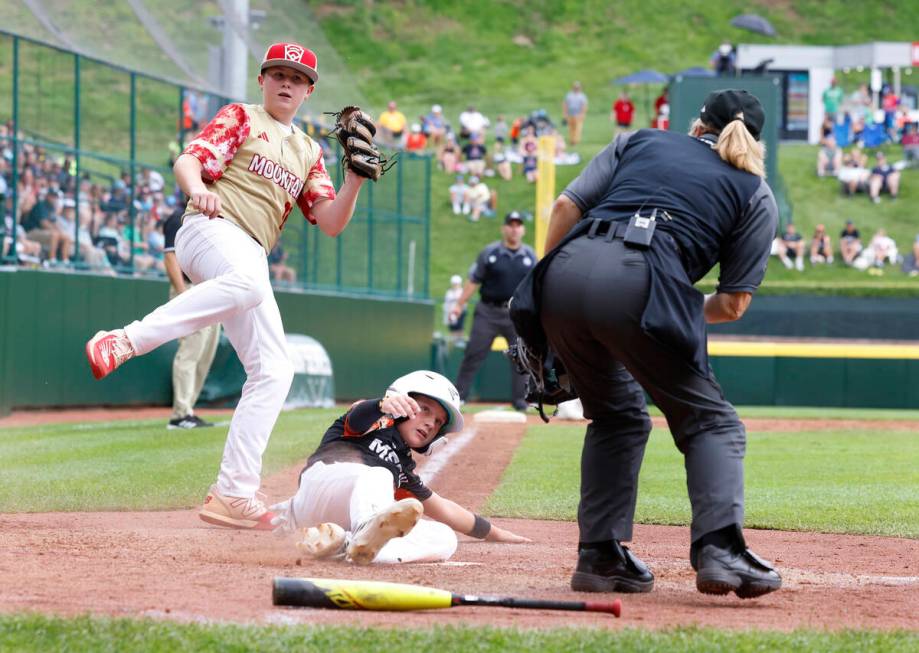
171,565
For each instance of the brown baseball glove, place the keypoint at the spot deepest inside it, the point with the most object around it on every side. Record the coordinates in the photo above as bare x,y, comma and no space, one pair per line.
355,130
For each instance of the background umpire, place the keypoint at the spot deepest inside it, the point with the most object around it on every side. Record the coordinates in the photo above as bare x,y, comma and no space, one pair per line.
496,272
645,220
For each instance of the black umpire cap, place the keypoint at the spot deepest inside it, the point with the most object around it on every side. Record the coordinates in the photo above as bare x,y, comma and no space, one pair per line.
513,216
721,107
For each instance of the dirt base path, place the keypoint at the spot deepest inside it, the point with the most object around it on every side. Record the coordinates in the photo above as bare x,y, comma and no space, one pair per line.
171,565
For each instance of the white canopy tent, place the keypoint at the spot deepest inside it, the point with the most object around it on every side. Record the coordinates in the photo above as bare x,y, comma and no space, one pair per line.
821,62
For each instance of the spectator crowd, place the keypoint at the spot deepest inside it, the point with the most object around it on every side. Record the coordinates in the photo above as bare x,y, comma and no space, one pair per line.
851,125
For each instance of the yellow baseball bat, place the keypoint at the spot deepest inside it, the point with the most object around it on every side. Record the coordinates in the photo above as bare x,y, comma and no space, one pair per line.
375,595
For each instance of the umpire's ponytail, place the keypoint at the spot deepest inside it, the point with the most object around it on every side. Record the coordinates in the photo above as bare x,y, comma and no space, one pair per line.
736,146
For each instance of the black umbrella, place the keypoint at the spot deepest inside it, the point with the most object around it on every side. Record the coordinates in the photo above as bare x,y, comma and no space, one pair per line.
753,23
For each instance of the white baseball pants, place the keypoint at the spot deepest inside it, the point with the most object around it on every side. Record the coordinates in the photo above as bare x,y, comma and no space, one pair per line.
348,494
232,286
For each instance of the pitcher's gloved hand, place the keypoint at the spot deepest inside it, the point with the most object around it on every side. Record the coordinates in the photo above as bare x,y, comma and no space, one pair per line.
355,130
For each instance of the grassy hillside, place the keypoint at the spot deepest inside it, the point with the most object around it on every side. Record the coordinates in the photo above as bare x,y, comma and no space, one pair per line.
510,57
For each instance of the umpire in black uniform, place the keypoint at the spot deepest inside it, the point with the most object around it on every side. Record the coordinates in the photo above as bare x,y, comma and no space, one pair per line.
496,272
646,219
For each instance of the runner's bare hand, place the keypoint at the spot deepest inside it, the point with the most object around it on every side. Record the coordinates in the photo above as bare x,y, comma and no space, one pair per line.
400,406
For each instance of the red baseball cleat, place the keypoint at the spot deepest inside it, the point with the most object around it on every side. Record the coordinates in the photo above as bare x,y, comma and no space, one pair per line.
107,350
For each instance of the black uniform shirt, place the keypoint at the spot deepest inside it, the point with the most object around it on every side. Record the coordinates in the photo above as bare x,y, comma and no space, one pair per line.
720,213
499,269
365,435
170,229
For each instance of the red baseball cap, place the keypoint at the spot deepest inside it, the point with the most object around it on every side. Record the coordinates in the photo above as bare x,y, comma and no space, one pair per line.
293,56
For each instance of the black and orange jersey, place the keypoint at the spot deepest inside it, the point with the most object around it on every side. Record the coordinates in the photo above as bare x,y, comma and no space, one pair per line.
365,435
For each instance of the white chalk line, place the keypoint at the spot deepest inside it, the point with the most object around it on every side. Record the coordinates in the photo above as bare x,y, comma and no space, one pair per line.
442,456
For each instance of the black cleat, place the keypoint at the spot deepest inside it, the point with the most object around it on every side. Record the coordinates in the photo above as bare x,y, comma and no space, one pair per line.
612,570
741,571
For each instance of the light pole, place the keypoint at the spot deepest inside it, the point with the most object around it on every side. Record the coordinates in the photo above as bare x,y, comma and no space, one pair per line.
228,67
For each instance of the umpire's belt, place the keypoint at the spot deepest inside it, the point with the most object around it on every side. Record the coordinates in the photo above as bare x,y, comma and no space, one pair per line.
501,304
608,229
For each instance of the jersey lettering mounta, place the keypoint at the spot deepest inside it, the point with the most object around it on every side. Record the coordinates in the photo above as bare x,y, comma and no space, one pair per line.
365,435
259,170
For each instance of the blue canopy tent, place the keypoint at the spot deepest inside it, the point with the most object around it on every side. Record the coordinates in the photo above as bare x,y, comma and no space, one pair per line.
695,71
646,76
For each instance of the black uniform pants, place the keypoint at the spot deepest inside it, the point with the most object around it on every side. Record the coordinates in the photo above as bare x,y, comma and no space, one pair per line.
594,294
488,321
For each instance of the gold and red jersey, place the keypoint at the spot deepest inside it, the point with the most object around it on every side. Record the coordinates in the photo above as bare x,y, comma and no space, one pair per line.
259,168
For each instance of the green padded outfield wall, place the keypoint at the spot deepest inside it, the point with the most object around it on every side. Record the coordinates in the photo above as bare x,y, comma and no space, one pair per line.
687,94
45,319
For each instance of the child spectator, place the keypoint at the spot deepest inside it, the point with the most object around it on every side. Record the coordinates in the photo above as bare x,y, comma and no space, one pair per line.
821,246
911,260
416,141
529,148
516,128
458,191
791,245
910,143
662,120
883,178
501,163
477,200
449,155
829,158
623,111
850,244
346,505
501,130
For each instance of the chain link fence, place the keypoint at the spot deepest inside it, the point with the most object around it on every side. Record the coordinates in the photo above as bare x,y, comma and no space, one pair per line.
103,138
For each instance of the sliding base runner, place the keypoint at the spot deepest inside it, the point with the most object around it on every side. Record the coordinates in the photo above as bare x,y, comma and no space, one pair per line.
374,595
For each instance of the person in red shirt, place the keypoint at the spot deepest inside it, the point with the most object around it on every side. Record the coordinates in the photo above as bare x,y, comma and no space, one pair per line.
623,111
416,140
662,120
661,100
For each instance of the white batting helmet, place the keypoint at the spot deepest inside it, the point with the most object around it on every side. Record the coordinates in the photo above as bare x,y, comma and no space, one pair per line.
437,387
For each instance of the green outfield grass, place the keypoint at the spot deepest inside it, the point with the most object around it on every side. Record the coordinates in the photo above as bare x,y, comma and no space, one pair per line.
839,481
132,465
36,633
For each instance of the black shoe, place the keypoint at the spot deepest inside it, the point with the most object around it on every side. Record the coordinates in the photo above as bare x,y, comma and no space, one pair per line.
521,406
188,422
733,569
611,570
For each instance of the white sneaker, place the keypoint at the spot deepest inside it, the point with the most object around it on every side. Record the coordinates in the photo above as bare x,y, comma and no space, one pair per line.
323,541
799,264
786,262
235,512
395,520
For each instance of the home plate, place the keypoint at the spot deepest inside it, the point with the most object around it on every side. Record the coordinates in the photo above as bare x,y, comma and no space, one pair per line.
507,416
